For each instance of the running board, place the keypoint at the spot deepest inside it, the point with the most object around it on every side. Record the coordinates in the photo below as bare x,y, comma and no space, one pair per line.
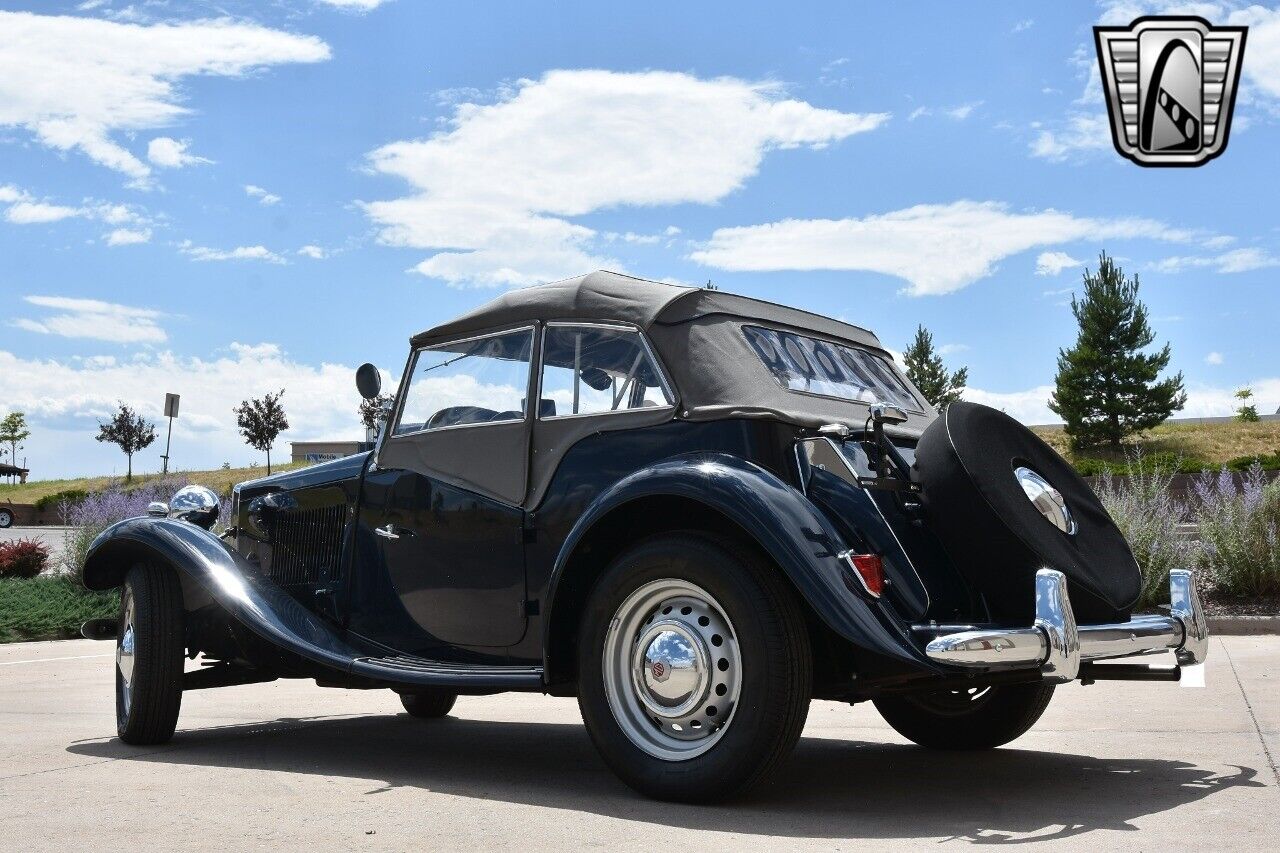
421,672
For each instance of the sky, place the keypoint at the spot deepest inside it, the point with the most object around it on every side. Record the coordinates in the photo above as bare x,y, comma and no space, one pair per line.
226,199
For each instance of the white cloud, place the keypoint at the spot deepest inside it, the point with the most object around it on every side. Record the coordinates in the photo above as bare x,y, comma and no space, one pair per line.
1053,263
1080,132
1024,24
9,194
63,399
240,253
1213,358
495,188
261,195
354,5
95,320
963,111
75,83
1029,407
952,349
128,236
1237,260
936,248
918,112
172,153
316,253
40,213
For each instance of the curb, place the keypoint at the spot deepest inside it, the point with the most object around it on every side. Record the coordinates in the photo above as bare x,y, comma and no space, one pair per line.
1243,626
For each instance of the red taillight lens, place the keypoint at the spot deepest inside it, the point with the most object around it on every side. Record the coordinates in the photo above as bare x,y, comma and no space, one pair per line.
870,570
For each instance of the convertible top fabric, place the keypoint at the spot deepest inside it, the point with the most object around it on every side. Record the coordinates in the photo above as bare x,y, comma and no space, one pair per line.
698,335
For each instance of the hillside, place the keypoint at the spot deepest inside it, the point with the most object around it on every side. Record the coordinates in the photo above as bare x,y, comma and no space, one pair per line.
1198,445
220,480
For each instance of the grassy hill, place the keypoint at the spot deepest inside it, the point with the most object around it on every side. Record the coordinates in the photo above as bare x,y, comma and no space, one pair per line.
220,480
1198,445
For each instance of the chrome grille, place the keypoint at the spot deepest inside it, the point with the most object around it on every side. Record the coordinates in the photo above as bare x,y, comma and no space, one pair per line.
306,546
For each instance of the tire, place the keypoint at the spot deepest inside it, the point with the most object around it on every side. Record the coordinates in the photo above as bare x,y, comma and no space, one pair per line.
6,518
428,706
718,622
149,655
966,719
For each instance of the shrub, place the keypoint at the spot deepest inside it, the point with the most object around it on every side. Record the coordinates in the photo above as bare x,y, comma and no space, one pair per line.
1140,462
23,558
57,499
1240,532
100,510
50,607
1145,510
1268,462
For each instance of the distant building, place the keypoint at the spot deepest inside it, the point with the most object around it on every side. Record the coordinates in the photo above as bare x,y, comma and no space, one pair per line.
323,451
14,471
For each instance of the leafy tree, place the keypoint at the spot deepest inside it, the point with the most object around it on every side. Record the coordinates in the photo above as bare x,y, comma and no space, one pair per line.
926,370
371,409
1248,412
260,421
13,431
1107,387
130,432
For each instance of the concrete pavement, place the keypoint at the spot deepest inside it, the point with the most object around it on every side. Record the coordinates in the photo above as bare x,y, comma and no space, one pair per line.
290,765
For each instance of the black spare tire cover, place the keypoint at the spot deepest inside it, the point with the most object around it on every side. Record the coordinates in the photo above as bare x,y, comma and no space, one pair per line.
965,463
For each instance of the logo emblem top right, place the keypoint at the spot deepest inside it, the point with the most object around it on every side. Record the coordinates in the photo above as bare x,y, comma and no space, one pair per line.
1170,85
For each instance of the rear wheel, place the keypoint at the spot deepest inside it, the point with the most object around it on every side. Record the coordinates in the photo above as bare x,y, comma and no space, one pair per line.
694,669
977,718
428,706
149,652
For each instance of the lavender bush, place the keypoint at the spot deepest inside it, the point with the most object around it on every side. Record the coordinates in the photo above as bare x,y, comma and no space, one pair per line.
99,510
1147,513
1239,527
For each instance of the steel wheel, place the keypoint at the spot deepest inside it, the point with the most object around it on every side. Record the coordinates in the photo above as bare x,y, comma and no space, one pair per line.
672,669
126,639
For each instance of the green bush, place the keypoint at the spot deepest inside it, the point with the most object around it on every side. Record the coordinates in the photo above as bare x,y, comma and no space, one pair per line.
1268,462
47,608
53,501
1142,463
1145,510
1239,527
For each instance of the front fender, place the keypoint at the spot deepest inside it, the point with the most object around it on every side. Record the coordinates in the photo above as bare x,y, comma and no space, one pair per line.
781,520
263,608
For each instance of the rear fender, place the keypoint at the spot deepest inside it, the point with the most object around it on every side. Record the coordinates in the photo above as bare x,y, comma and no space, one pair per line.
783,523
226,576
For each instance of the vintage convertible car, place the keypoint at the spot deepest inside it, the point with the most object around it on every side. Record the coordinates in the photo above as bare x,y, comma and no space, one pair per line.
693,511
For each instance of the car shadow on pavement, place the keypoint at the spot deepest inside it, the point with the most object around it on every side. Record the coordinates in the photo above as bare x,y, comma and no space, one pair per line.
829,788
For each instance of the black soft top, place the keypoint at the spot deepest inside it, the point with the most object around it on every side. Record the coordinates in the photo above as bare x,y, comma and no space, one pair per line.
698,335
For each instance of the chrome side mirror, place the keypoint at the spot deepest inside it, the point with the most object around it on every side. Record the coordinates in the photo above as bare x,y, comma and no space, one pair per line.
884,413
196,505
157,509
368,381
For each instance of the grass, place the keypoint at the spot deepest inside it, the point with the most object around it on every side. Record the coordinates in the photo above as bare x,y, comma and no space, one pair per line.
50,607
1199,445
220,480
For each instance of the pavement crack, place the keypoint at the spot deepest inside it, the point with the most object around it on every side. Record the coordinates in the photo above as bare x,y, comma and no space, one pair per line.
1266,750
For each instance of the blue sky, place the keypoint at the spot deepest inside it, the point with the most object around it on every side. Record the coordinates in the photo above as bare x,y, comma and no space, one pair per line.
225,199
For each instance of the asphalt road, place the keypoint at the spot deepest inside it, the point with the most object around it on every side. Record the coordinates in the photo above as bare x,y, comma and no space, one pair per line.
52,537
290,765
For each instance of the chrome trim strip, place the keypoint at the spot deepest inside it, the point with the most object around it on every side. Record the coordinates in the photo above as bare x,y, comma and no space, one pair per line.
1058,645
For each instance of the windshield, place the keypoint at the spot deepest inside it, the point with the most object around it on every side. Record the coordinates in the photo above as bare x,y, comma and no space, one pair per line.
813,366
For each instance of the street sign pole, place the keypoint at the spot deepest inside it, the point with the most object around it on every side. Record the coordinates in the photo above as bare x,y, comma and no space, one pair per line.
170,412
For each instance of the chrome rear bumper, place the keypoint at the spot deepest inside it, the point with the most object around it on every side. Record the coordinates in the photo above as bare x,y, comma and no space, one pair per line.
1057,645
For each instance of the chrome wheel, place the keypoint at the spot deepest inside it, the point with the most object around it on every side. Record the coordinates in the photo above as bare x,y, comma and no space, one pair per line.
125,652
672,670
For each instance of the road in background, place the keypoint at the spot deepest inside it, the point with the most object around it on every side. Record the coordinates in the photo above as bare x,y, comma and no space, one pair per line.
288,765
52,536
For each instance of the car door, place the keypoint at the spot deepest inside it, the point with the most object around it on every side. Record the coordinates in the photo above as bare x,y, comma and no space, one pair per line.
440,553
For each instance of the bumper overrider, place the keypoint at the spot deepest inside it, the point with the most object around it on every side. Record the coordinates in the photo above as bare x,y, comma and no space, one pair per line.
1058,646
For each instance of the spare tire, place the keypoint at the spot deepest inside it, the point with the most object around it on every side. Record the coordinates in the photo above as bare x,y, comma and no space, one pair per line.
977,469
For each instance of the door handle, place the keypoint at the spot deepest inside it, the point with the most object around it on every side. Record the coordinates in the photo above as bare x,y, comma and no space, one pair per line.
388,532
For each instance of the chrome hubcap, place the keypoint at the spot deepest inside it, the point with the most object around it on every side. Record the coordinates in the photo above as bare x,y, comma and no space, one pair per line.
672,669
1047,499
124,654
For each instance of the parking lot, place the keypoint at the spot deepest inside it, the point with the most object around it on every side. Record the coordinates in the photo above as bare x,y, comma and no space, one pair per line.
291,764
52,536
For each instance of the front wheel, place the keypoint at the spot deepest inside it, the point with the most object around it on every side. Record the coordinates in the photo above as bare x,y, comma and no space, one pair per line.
977,718
149,652
694,668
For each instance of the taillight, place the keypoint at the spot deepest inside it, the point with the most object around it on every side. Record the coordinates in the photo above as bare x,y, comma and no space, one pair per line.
869,569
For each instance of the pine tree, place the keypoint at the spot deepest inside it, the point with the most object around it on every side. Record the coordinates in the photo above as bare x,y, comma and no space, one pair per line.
130,432
926,370
1107,387
260,421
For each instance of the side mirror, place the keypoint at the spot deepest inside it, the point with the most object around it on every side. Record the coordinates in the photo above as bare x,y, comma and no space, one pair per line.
882,413
368,381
